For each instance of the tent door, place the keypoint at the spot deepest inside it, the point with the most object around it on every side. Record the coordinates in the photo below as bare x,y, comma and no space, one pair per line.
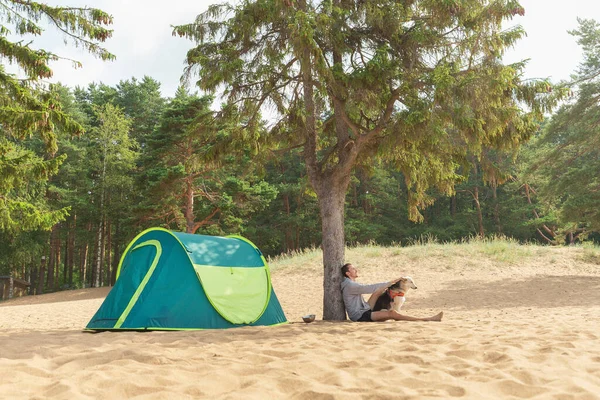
239,294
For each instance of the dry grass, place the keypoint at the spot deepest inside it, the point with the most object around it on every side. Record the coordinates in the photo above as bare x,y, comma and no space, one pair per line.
487,253
590,254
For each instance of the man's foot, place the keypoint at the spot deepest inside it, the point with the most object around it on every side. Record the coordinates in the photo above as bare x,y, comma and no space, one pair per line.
437,317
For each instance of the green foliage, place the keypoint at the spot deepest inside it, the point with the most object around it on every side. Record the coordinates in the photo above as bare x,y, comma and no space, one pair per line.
566,158
142,102
30,109
291,221
376,210
83,27
421,83
24,175
195,179
111,150
19,249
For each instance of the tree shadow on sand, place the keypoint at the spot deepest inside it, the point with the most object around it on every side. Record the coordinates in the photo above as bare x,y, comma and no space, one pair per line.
544,291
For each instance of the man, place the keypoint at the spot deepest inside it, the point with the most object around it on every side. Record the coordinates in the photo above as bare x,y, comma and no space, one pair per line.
361,311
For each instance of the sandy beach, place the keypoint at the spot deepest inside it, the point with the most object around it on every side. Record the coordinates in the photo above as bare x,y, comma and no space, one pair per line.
511,330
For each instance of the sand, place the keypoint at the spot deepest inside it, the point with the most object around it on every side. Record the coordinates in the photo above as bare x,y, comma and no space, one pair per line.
510,332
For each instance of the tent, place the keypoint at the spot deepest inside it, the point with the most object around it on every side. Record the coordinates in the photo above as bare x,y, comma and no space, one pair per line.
176,281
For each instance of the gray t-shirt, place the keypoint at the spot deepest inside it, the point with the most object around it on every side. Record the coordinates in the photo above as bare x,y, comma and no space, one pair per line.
352,293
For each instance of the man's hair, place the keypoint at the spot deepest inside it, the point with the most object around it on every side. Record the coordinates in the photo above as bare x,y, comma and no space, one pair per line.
345,269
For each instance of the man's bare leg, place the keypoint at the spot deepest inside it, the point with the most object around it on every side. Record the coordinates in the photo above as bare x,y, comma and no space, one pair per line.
386,315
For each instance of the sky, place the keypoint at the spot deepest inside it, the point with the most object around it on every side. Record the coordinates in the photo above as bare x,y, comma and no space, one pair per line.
143,44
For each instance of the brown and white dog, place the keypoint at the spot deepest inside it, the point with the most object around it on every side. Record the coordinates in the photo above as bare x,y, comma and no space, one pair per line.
394,296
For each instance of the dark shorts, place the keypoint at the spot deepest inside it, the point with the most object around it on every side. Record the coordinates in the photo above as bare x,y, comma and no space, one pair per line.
366,317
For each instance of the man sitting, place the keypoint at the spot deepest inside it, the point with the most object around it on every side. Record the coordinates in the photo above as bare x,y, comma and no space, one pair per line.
360,310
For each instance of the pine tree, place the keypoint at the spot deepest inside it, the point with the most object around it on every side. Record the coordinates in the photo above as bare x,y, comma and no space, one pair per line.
194,177
112,153
419,82
142,102
29,107
566,159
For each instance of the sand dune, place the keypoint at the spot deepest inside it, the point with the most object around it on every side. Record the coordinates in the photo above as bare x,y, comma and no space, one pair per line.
514,332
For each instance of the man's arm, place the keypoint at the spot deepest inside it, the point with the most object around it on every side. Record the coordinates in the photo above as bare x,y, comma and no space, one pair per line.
357,288
378,292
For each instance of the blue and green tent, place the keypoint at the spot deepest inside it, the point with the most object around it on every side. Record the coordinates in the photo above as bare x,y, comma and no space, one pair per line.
175,281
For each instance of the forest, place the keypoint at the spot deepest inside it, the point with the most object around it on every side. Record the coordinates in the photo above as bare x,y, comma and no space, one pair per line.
448,143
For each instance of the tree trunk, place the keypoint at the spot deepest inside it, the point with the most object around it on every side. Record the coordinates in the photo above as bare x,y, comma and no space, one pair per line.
52,258
289,238
99,242
330,183
331,204
92,260
104,264
98,268
479,215
40,288
31,278
50,271
189,207
57,261
116,255
85,257
11,287
72,249
496,208
297,230
66,254
83,264
453,206
108,250
552,234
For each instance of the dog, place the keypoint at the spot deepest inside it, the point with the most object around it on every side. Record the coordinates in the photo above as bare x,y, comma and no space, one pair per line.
393,297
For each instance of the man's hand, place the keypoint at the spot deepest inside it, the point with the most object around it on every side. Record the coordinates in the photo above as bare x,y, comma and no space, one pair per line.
392,282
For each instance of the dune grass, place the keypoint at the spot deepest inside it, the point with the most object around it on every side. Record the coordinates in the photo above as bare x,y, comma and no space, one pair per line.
590,254
472,252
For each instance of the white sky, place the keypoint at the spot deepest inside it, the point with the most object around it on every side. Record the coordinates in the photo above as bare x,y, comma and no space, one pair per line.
143,44
552,52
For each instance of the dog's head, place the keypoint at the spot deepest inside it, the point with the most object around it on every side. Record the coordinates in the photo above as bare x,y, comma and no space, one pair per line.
410,282
405,283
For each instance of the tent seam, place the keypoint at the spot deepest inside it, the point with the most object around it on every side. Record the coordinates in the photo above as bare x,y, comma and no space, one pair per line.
144,281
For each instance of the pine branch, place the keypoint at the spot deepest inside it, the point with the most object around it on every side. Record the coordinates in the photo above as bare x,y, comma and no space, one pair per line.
206,220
